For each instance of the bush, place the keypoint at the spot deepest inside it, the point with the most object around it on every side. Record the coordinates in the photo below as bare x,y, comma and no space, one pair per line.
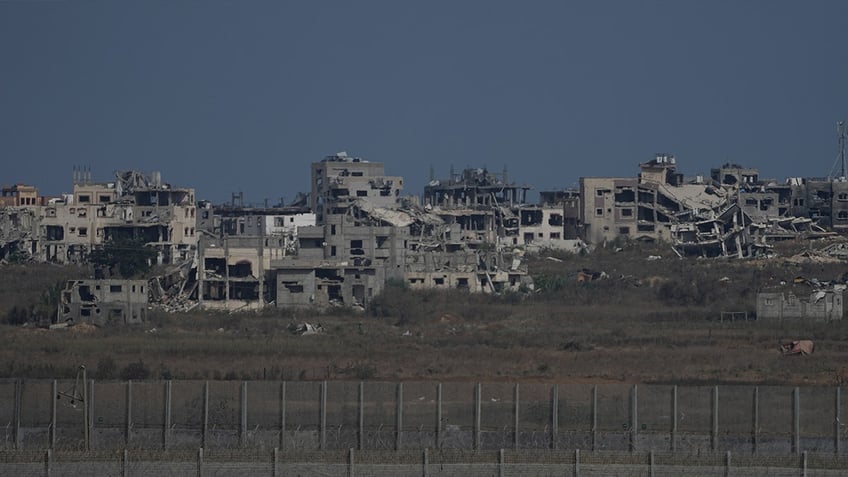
137,371
106,368
17,316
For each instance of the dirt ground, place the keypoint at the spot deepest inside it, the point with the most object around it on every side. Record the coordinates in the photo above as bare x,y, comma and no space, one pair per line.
651,321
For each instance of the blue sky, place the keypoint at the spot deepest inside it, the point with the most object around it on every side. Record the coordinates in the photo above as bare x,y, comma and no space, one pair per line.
227,96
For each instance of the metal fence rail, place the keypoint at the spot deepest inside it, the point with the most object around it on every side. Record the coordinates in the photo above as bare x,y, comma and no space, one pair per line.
424,462
305,416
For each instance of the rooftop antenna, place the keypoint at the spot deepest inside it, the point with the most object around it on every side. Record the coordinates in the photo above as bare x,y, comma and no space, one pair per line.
840,129
840,158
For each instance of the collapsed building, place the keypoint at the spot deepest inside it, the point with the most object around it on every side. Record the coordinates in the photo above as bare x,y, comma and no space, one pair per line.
356,231
733,213
367,234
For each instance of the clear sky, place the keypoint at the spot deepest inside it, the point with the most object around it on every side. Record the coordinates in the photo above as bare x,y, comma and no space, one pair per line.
243,95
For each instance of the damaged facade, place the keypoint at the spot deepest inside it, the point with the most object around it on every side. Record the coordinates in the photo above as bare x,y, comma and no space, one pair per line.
356,231
135,207
102,302
366,233
733,214
820,305
236,247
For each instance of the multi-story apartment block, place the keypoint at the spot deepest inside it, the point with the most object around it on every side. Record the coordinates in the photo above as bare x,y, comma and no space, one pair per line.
339,180
133,207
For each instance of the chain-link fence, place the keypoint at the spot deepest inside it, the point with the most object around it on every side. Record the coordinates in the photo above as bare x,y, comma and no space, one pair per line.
307,416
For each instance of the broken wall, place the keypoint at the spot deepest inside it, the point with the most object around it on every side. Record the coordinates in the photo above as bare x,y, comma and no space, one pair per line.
103,302
779,306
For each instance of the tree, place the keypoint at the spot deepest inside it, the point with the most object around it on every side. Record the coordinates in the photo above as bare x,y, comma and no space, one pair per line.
129,257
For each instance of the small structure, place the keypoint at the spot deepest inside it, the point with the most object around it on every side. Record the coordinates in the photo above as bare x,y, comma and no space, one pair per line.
823,305
102,302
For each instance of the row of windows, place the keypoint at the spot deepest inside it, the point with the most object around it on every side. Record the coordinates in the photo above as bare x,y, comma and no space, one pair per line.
599,212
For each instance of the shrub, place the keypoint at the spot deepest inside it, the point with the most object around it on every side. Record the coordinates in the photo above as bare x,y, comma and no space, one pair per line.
17,316
106,368
137,371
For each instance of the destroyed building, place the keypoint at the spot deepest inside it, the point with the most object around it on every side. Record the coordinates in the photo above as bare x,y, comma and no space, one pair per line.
366,233
133,207
236,246
102,302
733,214
480,202
820,305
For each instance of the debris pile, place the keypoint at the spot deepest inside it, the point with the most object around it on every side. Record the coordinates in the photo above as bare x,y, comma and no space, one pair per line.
797,348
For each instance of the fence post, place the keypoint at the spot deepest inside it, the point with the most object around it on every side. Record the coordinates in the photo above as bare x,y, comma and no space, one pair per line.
804,464
125,460
554,416
439,415
634,418
836,415
48,461
796,420
755,432
276,470
243,416
360,434
515,400
715,420
128,415
350,471
17,416
501,463
204,438
576,462
323,412
166,427
674,418
54,399
425,471
594,418
88,415
200,462
651,462
87,406
478,391
283,415
399,417
727,465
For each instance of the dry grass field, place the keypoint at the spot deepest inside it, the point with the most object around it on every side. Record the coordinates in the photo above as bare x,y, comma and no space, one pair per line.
651,321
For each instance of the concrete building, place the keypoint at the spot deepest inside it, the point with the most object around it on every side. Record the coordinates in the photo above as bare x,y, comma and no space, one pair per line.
133,207
366,234
339,179
104,302
20,195
821,305
236,248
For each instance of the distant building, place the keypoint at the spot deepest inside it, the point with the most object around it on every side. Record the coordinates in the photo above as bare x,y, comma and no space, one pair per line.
103,302
20,195
820,306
